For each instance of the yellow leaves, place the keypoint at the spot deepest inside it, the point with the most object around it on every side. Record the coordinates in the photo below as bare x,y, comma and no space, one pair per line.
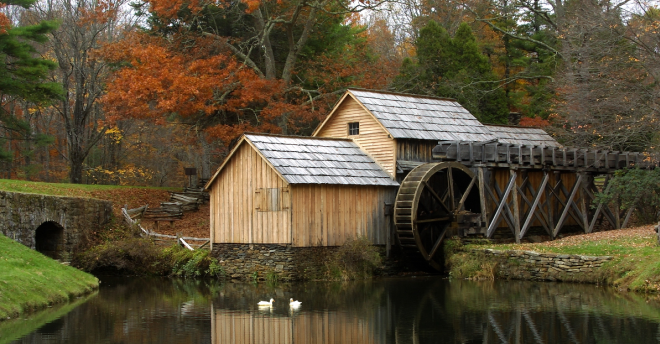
114,134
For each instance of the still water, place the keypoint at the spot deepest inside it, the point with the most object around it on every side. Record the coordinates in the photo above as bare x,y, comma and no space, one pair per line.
410,310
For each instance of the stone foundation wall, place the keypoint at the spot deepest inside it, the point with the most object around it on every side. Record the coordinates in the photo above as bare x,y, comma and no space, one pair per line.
528,265
246,262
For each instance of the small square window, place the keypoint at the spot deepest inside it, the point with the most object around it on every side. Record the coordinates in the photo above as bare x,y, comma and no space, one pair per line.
354,128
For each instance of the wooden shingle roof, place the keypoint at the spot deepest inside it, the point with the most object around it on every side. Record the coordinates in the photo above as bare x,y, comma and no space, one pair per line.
425,118
302,160
522,135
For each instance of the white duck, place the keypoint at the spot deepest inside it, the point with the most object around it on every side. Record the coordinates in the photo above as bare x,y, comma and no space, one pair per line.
294,304
265,303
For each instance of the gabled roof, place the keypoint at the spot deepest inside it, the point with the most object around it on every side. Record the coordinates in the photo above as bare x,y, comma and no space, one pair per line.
407,116
522,135
311,160
303,160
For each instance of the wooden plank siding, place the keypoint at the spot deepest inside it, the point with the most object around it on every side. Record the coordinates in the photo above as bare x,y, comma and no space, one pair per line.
373,138
234,218
326,327
328,215
415,150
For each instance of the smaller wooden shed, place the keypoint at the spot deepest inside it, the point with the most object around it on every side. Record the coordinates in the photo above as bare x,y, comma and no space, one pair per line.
300,191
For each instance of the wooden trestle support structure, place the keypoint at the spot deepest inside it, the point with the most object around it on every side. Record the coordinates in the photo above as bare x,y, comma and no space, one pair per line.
476,188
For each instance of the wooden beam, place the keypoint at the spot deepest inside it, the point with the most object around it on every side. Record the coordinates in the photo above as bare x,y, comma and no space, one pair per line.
625,222
537,199
543,218
508,216
482,196
450,186
437,245
583,206
599,208
442,203
498,212
567,207
516,208
466,193
576,214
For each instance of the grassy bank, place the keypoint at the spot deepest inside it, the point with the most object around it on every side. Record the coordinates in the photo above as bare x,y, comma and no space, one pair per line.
635,265
63,189
30,280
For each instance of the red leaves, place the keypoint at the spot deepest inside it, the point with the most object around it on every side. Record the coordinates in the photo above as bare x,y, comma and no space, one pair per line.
536,122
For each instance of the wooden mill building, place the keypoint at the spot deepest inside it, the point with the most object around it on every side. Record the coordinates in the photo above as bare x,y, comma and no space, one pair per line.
342,182
400,130
300,191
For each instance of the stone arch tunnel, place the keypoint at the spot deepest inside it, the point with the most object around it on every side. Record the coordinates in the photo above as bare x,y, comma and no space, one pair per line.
52,225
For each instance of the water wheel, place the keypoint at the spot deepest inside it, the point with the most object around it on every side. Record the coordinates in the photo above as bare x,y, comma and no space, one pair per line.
433,199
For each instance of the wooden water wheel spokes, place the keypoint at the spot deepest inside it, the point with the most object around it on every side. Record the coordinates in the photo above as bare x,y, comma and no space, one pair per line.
428,203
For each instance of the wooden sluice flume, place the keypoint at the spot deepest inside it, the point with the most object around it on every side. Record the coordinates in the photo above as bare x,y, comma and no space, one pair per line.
478,188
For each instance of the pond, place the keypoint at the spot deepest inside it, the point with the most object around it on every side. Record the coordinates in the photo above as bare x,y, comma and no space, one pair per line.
401,310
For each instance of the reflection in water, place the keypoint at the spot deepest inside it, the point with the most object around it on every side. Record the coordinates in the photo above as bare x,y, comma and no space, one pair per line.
434,310
396,311
137,310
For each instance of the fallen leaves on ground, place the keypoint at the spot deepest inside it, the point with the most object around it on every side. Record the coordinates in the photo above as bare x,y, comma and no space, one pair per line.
194,223
637,237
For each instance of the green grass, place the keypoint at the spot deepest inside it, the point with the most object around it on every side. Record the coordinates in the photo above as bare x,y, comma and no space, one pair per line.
60,189
30,280
635,265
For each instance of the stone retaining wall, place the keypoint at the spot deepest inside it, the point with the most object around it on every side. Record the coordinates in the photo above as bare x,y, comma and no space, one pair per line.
528,265
244,261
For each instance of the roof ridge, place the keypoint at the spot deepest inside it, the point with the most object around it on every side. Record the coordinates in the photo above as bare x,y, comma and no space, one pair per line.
402,94
512,126
298,136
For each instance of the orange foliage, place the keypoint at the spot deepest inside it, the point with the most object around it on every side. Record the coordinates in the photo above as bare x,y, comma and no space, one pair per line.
101,12
163,80
5,23
536,122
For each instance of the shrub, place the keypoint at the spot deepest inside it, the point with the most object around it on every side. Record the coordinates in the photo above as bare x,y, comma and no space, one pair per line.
128,255
635,187
142,256
186,263
356,259
469,265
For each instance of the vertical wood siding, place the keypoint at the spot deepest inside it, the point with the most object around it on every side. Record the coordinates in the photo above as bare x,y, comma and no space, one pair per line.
415,150
328,215
234,217
373,139
327,327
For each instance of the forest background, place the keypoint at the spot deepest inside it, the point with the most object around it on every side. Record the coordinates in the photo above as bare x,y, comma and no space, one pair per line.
132,92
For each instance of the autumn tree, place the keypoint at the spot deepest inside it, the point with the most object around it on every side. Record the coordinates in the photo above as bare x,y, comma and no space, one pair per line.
228,67
84,26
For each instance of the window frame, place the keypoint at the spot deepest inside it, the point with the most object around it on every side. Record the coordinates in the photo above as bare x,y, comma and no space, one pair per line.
353,128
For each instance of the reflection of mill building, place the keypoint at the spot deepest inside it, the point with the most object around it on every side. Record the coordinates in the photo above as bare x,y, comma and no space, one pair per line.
425,164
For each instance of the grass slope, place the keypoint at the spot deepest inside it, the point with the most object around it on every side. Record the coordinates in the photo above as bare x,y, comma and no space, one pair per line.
30,280
62,189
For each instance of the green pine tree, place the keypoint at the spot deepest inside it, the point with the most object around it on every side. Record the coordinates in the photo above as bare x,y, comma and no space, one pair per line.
23,74
455,68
